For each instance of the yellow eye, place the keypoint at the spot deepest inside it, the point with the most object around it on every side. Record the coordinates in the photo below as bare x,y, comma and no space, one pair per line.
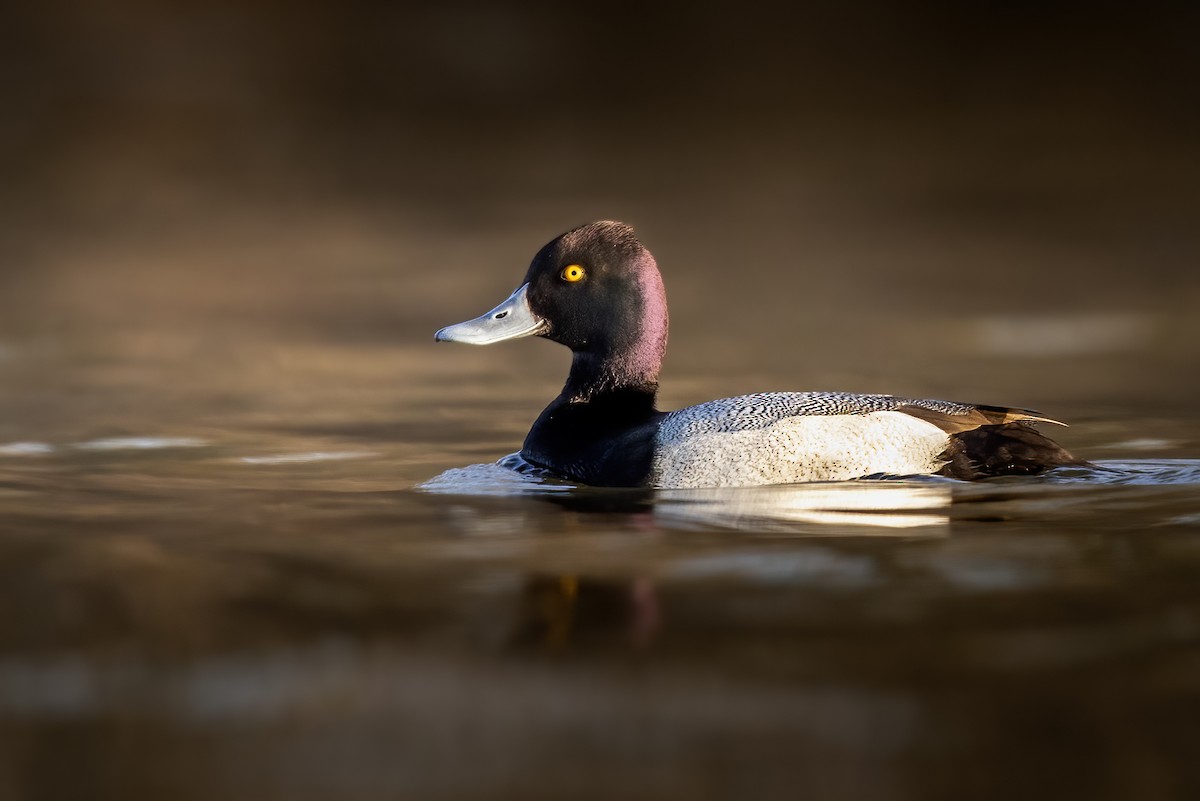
573,273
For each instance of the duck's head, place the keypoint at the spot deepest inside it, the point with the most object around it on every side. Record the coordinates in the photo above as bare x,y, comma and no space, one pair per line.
595,289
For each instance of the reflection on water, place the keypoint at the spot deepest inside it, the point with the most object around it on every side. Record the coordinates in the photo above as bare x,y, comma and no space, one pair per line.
314,456
303,558
25,449
886,504
569,611
842,507
139,443
197,599
878,504
1149,472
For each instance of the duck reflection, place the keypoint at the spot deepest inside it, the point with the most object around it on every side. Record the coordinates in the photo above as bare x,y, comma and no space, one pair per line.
562,611
864,507
878,505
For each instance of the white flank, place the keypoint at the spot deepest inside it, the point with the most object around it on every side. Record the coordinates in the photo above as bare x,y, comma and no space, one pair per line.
803,448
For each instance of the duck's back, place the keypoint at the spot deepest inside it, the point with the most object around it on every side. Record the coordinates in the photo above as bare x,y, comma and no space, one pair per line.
783,437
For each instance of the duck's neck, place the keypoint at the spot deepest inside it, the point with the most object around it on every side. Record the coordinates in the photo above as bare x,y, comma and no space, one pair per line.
629,362
596,376
599,430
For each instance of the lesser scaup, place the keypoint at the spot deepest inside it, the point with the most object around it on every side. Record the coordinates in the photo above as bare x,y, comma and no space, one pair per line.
597,290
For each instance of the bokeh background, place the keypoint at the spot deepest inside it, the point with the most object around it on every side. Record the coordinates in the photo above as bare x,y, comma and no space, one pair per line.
372,171
228,231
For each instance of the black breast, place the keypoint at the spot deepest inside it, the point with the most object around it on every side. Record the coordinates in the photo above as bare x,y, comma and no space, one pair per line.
607,441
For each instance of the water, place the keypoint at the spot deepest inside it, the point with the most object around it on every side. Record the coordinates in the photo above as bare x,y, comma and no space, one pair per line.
241,561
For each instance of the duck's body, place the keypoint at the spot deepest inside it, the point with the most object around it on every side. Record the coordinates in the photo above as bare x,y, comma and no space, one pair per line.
597,290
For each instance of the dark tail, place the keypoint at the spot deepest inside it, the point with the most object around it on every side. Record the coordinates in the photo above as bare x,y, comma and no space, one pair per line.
1009,449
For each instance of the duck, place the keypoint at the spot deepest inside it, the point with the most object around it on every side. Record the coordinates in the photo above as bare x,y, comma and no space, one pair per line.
597,290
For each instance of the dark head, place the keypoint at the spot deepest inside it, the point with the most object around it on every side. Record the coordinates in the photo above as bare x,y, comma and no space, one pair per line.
597,290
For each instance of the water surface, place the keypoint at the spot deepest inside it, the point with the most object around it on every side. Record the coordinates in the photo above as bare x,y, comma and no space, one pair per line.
259,567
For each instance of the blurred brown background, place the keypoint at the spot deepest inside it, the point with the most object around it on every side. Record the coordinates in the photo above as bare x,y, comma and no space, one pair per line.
228,172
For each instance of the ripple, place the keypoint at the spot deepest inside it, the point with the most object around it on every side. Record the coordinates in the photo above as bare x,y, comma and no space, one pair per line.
26,449
139,443
490,479
1144,444
920,505
1139,472
313,456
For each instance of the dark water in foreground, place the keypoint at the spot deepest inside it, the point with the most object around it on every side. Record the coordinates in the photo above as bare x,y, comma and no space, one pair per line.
273,573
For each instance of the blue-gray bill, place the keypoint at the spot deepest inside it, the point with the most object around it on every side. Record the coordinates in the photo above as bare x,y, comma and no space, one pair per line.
510,320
